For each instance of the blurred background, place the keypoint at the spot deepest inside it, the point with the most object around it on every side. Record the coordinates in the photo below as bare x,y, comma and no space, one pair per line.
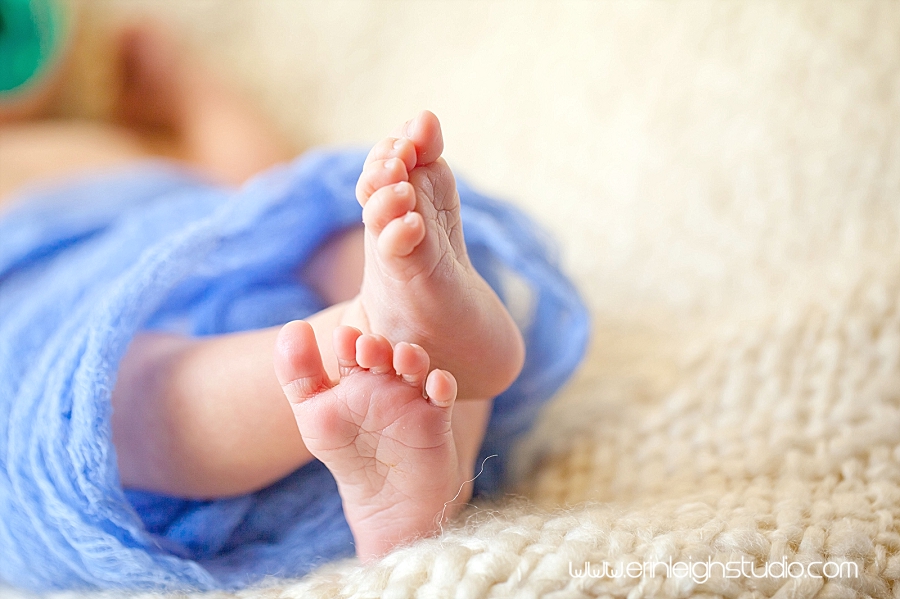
706,167
698,162
689,156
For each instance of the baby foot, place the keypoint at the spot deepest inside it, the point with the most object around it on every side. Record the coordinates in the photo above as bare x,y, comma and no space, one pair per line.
418,283
383,431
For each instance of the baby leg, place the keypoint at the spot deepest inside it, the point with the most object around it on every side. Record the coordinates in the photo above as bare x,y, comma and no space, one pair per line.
207,418
168,106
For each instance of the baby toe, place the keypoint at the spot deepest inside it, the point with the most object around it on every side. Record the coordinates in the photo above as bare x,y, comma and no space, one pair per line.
344,342
374,353
377,174
401,236
411,363
298,363
440,388
425,133
388,203
393,147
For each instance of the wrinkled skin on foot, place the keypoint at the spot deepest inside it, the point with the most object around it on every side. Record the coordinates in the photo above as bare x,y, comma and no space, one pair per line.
418,284
384,431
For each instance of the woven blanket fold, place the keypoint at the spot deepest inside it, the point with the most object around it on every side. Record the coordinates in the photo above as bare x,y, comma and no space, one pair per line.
84,267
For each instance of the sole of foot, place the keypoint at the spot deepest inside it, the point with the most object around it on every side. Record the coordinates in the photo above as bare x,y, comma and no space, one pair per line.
383,430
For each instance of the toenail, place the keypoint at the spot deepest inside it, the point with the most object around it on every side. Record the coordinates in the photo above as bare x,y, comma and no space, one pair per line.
400,189
410,218
407,131
398,143
390,163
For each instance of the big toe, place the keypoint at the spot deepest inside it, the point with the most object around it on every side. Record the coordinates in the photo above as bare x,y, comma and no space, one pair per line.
298,363
425,132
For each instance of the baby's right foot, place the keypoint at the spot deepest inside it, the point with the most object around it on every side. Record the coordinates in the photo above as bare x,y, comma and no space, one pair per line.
390,448
418,284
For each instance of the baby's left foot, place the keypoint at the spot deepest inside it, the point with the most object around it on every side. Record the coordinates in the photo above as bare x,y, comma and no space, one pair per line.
419,284
383,431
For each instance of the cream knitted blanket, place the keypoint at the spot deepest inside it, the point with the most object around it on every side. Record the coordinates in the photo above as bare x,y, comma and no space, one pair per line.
725,180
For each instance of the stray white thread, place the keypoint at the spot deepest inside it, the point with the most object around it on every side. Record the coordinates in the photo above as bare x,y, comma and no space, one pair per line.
444,511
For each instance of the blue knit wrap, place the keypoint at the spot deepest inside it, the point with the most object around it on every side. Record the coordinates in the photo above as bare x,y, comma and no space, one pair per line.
86,266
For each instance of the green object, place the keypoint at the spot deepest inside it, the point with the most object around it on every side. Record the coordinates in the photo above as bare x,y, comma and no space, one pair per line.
31,37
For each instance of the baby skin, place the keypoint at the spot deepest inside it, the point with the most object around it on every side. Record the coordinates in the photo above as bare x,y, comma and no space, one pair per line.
368,384
386,429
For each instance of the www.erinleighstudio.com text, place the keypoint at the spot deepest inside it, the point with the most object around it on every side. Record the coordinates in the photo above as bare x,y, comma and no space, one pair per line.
701,571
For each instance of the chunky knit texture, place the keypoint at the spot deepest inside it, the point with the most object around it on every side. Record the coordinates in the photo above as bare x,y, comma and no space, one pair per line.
725,179
782,443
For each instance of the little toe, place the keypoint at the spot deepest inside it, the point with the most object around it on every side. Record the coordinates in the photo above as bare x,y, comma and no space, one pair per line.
377,174
344,343
402,236
440,388
411,363
393,147
298,363
374,353
425,133
388,203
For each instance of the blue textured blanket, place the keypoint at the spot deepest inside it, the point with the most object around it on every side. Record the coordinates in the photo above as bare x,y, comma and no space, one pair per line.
85,266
